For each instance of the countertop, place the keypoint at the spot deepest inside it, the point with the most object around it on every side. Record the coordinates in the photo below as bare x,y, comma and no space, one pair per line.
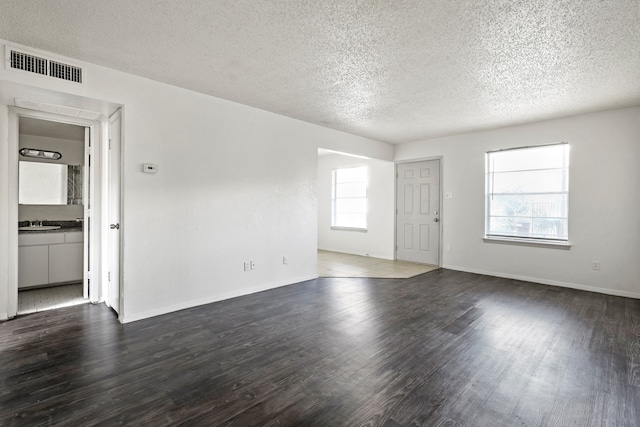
59,230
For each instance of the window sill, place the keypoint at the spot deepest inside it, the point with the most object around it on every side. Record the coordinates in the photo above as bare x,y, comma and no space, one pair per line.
361,230
528,242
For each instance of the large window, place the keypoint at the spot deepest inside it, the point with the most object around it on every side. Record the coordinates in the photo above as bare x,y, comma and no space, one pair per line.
350,198
527,193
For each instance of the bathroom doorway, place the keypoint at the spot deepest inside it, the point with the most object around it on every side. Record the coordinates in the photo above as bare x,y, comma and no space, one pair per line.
19,101
53,202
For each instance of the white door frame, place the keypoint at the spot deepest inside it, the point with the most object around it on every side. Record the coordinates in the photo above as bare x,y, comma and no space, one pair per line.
395,202
97,131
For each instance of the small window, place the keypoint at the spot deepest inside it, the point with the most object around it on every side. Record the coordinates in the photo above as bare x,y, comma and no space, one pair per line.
350,198
527,192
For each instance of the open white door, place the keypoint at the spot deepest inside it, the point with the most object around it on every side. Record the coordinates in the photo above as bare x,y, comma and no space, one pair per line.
113,212
87,195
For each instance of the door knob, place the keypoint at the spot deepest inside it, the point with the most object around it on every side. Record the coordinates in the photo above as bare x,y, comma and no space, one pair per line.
114,226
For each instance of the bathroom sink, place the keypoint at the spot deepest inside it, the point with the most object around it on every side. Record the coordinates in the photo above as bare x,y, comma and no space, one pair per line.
39,228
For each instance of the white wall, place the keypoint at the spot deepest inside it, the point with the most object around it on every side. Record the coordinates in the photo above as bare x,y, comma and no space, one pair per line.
234,183
378,240
604,206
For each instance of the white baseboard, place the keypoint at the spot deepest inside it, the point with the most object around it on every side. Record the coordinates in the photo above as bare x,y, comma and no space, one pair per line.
614,292
220,297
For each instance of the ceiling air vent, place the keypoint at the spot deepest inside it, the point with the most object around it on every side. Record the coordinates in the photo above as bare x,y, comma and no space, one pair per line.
39,65
26,62
65,71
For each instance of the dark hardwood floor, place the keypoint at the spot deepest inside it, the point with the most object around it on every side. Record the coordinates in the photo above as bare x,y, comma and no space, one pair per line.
442,349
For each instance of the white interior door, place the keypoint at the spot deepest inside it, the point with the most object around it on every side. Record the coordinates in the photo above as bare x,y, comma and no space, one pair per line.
113,212
418,212
87,201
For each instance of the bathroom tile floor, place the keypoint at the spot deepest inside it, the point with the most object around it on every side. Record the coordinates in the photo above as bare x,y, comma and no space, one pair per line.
335,264
35,300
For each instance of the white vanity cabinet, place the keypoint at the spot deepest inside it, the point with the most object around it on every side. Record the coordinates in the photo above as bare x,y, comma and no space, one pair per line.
33,265
65,260
45,258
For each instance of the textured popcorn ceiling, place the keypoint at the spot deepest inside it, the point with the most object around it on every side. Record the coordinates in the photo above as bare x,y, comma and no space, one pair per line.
391,70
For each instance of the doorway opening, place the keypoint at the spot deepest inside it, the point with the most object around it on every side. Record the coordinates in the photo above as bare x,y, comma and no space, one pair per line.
53,197
356,218
95,204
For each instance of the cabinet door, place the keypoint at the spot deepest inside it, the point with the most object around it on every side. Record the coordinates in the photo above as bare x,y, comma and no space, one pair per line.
33,265
65,262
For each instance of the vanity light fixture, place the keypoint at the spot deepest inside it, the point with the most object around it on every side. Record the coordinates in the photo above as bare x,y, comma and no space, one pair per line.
40,154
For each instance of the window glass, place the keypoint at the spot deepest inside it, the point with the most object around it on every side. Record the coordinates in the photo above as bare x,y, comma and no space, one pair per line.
350,198
527,193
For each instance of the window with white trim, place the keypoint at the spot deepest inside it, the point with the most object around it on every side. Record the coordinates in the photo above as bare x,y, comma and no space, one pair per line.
349,198
527,192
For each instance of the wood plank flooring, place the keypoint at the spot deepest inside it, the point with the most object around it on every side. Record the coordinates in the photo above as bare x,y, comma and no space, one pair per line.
444,348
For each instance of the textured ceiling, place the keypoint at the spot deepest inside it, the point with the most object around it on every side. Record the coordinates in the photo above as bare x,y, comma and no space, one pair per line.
391,70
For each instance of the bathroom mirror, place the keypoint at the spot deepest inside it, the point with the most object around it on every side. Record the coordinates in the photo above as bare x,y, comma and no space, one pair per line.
49,184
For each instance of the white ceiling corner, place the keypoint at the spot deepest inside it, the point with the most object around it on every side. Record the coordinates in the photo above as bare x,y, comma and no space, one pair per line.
396,71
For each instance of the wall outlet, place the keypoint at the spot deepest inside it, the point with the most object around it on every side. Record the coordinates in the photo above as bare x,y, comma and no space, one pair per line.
253,265
595,265
247,266
285,260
